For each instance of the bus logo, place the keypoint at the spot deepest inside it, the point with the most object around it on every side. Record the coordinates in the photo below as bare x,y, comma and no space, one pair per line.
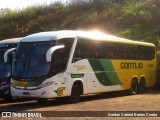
60,91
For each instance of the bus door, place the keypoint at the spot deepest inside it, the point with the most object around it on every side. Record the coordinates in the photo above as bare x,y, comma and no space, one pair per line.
59,65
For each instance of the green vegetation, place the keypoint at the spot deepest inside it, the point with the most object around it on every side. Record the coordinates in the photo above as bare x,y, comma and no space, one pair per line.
132,19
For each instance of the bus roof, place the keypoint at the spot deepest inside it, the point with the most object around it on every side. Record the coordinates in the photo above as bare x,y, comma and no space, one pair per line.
54,35
11,40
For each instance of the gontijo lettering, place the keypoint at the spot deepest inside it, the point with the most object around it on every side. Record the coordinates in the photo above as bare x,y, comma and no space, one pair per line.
131,65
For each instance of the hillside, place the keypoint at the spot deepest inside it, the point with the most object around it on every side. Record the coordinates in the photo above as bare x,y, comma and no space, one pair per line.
133,19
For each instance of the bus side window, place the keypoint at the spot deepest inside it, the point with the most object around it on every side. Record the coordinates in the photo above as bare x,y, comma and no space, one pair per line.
92,50
141,52
81,50
146,53
135,53
151,53
77,55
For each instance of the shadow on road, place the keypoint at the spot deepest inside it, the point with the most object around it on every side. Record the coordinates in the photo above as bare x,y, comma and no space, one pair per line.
15,100
23,104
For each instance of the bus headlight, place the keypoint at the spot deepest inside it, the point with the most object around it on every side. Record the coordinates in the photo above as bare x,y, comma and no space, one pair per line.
45,84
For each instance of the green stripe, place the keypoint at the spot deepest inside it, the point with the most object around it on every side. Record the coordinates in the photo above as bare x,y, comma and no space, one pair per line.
77,75
104,72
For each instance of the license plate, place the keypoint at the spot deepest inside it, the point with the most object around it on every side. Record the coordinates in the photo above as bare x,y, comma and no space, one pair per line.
26,93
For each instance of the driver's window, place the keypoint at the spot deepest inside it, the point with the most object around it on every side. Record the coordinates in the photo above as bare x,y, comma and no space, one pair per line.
60,57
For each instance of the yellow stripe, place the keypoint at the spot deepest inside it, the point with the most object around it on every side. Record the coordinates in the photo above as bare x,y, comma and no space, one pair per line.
19,83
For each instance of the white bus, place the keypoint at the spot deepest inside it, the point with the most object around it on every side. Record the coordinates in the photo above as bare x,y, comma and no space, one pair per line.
73,63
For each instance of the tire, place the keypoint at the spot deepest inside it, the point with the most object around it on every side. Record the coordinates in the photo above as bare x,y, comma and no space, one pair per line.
142,86
75,94
134,87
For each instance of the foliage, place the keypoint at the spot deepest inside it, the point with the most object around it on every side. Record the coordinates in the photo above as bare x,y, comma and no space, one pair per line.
132,19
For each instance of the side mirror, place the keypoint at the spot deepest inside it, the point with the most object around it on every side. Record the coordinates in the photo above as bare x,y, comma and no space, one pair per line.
51,50
7,56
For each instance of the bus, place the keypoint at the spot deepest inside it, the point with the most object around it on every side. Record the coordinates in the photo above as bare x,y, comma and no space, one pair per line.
72,63
5,68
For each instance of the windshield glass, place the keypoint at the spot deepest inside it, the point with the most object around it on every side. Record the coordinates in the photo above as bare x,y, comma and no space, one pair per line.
39,65
4,67
30,60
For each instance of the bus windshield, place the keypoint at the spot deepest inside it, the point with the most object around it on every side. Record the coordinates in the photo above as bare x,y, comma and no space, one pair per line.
30,60
4,67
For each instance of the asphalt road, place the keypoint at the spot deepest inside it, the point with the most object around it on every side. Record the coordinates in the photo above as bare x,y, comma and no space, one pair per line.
90,106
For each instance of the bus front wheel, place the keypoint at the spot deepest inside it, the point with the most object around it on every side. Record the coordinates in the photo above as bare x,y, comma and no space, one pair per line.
134,87
75,94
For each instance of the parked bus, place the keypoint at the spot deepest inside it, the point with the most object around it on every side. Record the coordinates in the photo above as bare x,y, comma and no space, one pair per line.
73,63
5,68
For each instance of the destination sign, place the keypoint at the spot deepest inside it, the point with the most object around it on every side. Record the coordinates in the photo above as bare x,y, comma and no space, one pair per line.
7,46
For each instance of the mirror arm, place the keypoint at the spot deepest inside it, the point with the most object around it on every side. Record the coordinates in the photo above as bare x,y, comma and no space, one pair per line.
6,54
51,50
